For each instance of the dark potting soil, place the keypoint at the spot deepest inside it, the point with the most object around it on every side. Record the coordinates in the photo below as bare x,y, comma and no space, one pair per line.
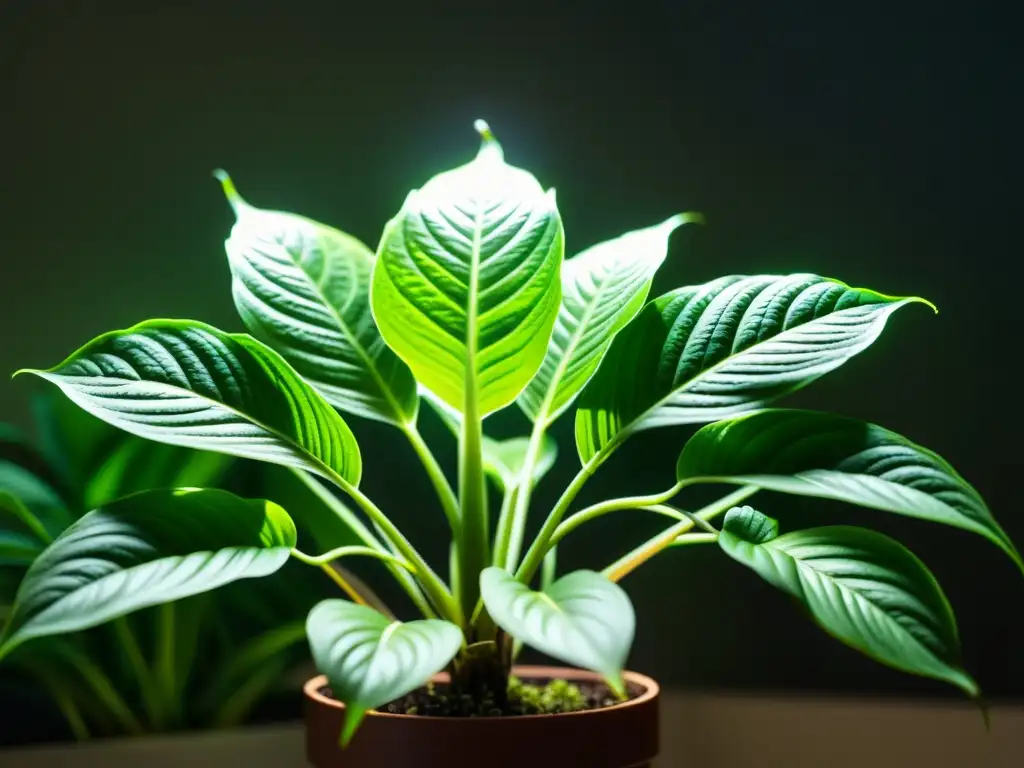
526,697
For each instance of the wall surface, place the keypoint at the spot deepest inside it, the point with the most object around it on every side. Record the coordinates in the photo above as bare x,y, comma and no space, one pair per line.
877,143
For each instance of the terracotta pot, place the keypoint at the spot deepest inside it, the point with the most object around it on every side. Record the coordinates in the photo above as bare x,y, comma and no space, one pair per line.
621,736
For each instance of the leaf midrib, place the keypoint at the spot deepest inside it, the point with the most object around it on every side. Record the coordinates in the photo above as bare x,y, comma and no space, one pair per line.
623,432
317,289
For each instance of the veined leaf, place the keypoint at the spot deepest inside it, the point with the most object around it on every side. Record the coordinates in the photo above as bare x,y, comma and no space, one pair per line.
370,660
603,288
149,548
304,289
861,587
582,618
466,288
189,384
712,351
819,454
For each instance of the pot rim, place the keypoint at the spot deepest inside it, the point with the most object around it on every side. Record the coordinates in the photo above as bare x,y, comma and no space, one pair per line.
651,691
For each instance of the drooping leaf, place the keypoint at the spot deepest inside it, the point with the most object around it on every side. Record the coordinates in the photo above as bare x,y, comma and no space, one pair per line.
582,619
603,288
712,351
369,659
465,288
304,289
861,587
150,548
189,384
819,454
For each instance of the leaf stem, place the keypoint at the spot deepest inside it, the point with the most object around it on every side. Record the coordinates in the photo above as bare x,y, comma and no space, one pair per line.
445,494
612,505
516,526
103,688
349,518
147,685
165,666
350,551
503,530
432,584
535,554
641,554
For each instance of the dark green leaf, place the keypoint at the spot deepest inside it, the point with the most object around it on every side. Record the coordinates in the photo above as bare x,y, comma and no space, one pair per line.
708,352
149,548
833,457
861,587
188,384
304,289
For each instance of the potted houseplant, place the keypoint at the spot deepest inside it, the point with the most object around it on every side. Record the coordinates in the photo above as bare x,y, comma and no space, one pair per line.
138,674
469,305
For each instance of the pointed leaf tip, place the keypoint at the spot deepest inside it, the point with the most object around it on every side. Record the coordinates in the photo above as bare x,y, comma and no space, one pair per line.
230,192
489,146
353,718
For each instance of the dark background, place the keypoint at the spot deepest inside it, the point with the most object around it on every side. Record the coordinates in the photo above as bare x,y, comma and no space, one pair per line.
873,143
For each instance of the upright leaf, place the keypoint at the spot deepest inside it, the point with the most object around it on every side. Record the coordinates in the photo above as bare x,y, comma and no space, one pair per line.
707,352
466,288
861,587
603,288
582,618
304,289
833,457
188,384
149,548
370,660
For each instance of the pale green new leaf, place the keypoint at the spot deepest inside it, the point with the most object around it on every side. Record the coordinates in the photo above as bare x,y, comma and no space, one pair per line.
466,286
149,548
189,384
819,454
603,288
708,352
861,587
304,289
370,660
582,619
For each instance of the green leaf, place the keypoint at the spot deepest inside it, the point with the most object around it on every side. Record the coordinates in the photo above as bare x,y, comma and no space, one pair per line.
189,384
370,660
149,548
37,496
582,618
466,288
809,453
304,289
712,351
861,587
603,288
503,460
22,534
751,525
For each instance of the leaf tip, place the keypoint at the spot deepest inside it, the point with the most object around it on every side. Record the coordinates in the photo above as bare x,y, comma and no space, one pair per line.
617,685
688,217
489,146
20,371
235,200
353,718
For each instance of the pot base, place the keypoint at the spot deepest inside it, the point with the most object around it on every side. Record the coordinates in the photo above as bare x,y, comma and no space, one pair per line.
621,736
